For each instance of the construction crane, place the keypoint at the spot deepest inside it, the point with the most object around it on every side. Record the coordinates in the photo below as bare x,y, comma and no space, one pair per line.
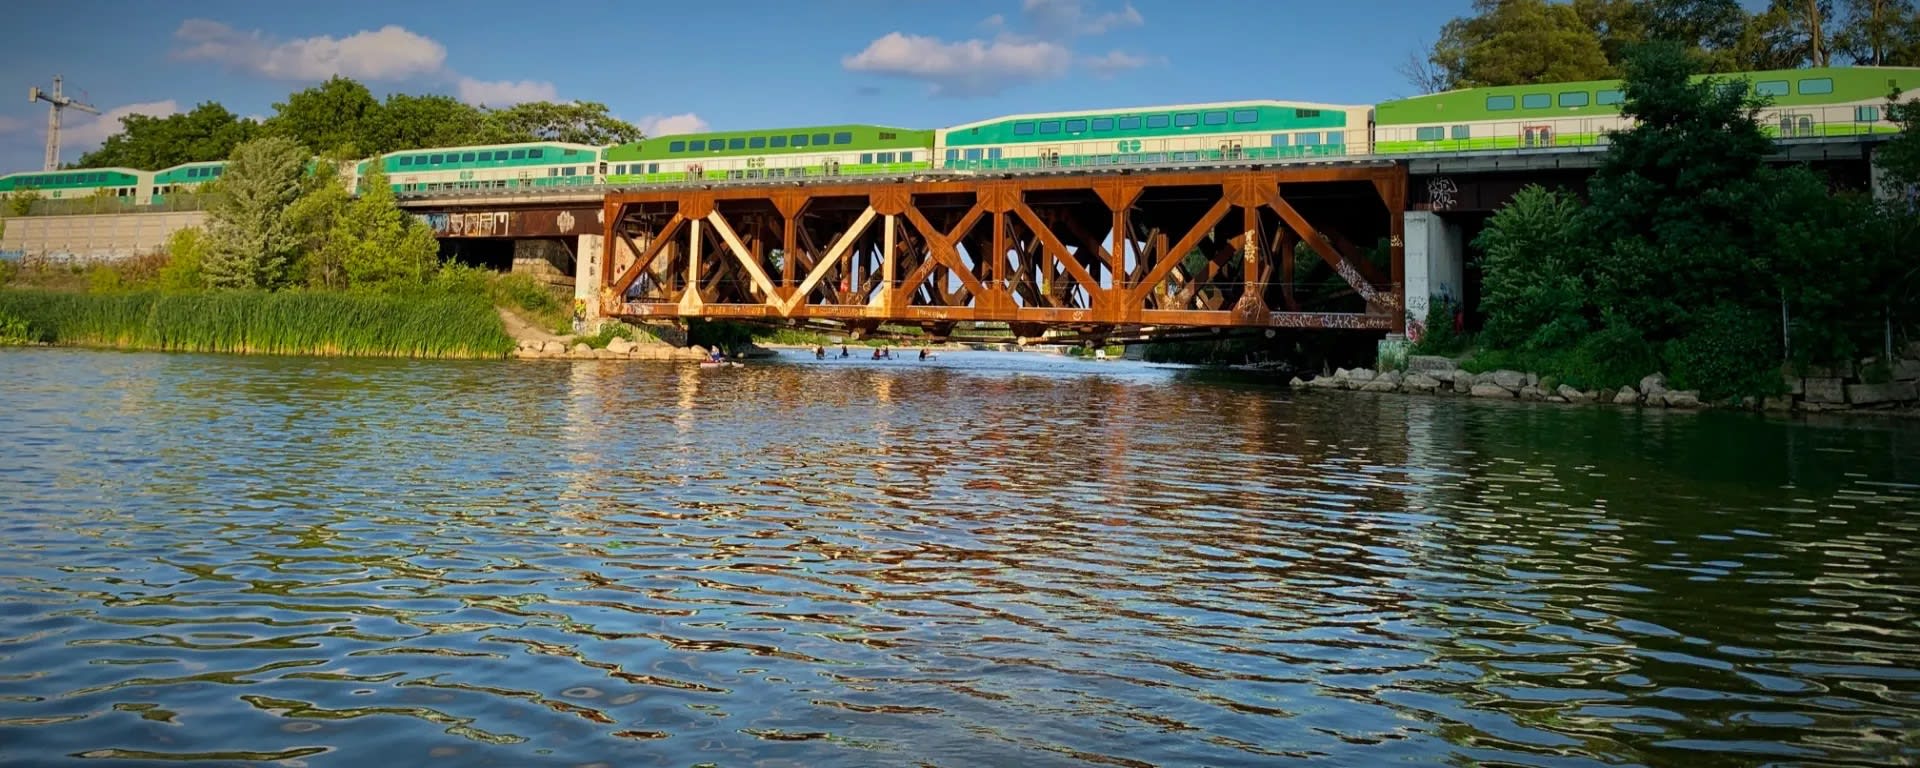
59,101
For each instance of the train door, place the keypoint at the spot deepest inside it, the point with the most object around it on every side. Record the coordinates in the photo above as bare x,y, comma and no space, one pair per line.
1230,150
1049,157
831,167
1795,124
1537,136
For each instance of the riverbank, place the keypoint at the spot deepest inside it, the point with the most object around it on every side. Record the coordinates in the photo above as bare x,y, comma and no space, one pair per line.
1889,389
324,323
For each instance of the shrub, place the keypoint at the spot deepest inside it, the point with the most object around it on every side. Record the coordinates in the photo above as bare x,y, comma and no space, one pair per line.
1437,334
1531,255
186,250
1729,351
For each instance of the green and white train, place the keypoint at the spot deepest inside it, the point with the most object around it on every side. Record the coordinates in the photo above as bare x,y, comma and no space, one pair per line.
1805,103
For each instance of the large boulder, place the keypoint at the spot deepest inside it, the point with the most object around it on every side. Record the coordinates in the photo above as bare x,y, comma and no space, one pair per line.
1431,364
1359,376
1420,382
581,349
1626,396
620,346
1875,394
1463,382
1385,382
1490,389
1297,383
1511,381
554,347
1825,389
1906,370
1653,385
1572,395
1532,392
1679,398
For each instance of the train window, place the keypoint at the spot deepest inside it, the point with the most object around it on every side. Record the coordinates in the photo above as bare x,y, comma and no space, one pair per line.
973,154
1770,88
1816,85
534,154
1463,132
776,142
1023,129
697,145
820,140
1536,101
1336,138
620,170
467,158
1499,103
906,157
758,142
1076,126
1431,133
553,172
884,157
1866,114
567,171
653,167
1050,126
519,154
736,143
1308,139
1573,98
486,157
953,155
843,137
1103,123
1216,118
993,153
1244,116
1605,98
866,157
799,139
1186,119
676,146
887,136
1306,113
1129,123
1158,121
406,161
1279,139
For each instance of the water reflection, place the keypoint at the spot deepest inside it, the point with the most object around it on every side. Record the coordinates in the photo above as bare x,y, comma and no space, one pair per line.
977,560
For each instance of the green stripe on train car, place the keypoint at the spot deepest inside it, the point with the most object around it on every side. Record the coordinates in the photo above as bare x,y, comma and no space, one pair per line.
1786,87
79,178
497,156
768,143
1162,122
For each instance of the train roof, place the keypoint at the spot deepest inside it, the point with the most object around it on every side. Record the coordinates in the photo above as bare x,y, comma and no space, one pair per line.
1157,109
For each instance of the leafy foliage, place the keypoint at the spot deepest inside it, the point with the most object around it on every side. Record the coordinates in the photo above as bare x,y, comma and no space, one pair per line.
21,203
1510,42
380,244
186,251
1532,254
251,240
580,122
209,132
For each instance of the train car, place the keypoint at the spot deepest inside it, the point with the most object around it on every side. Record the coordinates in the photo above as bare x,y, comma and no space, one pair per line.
130,186
1187,133
787,153
500,166
183,178
1830,101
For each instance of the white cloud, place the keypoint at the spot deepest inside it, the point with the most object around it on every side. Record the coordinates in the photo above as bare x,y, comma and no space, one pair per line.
667,125
1071,17
505,93
1114,62
961,68
91,132
389,53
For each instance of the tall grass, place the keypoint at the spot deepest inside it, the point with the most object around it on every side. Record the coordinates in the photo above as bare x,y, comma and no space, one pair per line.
289,322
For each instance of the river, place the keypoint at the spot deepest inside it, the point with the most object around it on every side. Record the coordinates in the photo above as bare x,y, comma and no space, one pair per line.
983,559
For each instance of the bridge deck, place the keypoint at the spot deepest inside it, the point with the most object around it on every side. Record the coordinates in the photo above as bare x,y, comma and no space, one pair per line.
1095,253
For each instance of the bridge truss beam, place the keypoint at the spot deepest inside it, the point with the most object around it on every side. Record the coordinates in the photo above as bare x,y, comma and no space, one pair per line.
1102,254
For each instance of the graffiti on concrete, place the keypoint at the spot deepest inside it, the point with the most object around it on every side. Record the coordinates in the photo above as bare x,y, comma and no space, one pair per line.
1440,193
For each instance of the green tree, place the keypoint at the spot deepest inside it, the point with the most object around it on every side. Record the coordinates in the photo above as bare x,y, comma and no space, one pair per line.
21,203
421,122
251,241
209,132
1709,30
337,118
378,244
1533,257
315,217
579,122
186,253
1513,42
1878,33
1786,35
1899,158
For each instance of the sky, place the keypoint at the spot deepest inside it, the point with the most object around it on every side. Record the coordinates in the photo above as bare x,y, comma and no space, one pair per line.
719,64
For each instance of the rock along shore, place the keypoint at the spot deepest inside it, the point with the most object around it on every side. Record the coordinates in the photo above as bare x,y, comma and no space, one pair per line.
1820,390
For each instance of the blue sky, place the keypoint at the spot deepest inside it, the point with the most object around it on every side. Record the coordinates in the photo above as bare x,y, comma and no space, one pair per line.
724,64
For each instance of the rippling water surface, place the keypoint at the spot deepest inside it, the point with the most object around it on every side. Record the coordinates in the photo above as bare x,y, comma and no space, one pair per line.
983,560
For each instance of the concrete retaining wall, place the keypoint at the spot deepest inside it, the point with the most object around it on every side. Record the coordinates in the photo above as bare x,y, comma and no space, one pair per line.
94,237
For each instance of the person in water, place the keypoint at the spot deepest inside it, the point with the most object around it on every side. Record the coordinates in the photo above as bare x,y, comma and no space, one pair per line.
923,353
819,352
844,352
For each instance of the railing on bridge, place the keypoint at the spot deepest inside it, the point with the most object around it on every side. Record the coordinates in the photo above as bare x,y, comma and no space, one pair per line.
1096,254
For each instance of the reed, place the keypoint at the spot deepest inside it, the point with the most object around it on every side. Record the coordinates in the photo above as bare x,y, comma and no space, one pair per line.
446,325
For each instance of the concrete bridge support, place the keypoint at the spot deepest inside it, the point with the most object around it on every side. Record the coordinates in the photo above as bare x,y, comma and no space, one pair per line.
1436,266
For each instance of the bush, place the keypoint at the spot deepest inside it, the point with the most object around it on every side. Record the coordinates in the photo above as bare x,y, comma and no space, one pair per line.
186,249
1730,351
14,330
1437,334
1532,256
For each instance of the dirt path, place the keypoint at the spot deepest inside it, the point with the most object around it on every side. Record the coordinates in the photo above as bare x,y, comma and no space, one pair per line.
521,330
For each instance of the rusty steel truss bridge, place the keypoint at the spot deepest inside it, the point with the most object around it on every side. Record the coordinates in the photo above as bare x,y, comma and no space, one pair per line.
1111,256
